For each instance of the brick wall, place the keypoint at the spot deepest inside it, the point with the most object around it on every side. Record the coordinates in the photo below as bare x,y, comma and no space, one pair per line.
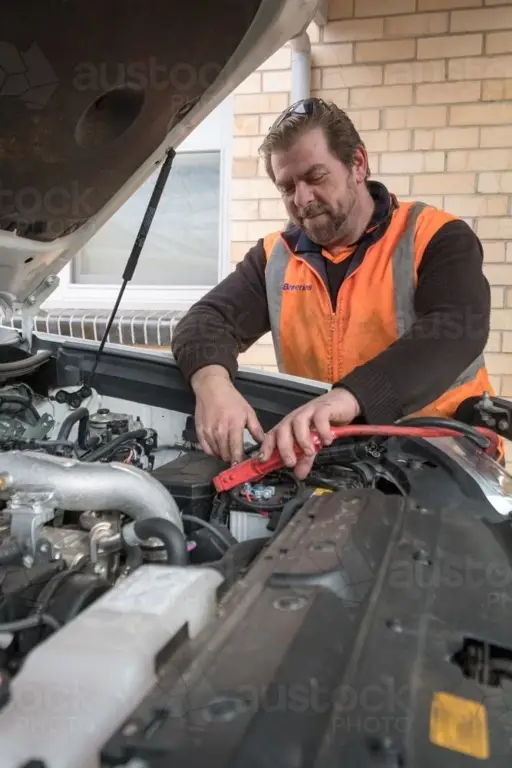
429,85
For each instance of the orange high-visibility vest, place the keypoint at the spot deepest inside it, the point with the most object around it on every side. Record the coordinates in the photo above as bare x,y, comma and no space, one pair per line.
375,307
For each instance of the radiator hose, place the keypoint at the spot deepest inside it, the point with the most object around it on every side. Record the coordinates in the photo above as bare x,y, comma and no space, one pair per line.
175,544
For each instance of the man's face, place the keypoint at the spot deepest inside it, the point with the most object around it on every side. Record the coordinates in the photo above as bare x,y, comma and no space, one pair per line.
320,193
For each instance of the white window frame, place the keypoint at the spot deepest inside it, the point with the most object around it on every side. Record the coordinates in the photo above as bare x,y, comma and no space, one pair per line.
214,133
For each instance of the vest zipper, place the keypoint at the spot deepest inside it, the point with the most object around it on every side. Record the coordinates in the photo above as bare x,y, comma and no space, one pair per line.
334,344
334,317
339,321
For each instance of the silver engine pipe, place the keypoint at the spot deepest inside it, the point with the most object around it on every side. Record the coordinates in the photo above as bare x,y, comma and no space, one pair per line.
79,486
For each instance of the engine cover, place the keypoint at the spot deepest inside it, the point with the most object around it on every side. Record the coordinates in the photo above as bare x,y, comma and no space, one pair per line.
355,640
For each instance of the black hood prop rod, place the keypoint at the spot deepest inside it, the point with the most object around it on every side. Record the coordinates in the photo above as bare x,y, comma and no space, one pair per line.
138,245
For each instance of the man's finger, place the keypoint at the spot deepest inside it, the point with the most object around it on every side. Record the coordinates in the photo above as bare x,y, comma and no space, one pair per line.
221,437
201,434
206,442
235,442
255,428
268,445
302,431
285,443
206,447
322,424
303,467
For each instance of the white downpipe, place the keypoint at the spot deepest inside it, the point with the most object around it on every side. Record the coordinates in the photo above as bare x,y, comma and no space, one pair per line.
301,67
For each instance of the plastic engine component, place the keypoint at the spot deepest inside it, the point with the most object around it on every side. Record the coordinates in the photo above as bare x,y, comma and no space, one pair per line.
189,479
77,686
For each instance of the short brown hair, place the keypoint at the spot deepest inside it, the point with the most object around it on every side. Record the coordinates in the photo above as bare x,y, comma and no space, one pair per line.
340,132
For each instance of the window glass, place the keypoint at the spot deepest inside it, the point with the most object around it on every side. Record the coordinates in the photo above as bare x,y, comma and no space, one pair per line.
183,243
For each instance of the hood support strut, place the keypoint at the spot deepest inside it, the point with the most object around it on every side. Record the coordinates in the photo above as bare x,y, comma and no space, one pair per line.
133,259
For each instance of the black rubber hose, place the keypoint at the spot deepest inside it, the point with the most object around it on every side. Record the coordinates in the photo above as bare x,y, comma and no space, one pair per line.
51,587
134,557
446,423
174,541
69,422
81,415
221,508
104,450
29,364
20,400
205,524
31,622
239,558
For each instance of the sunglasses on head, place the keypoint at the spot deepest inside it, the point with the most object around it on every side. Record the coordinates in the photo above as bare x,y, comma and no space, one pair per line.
301,107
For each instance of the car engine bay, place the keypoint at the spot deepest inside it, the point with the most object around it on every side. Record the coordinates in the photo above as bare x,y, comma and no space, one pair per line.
90,497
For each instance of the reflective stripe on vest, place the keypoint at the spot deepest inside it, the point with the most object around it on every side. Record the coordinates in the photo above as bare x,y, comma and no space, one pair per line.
403,261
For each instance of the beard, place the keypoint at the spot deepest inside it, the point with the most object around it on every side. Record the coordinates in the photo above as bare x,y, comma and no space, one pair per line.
327,225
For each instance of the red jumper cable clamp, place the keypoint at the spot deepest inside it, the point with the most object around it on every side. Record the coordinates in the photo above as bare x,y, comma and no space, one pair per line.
254,469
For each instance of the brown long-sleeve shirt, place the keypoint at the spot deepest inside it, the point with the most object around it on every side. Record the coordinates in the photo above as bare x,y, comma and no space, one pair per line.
452,292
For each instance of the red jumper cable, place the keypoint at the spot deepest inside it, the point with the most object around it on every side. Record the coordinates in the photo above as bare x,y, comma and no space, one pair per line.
254,468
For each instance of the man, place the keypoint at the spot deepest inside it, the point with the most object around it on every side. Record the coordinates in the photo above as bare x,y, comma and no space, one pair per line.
385,300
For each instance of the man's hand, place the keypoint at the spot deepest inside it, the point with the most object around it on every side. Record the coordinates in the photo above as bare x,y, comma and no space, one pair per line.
222,414
337,407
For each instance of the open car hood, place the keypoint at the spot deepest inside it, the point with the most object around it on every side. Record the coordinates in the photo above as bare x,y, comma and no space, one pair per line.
93,95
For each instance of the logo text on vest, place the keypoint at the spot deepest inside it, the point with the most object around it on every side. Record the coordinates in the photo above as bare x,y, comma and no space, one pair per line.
296,287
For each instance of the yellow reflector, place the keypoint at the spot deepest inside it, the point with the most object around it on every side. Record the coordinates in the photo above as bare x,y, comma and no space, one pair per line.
460,725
